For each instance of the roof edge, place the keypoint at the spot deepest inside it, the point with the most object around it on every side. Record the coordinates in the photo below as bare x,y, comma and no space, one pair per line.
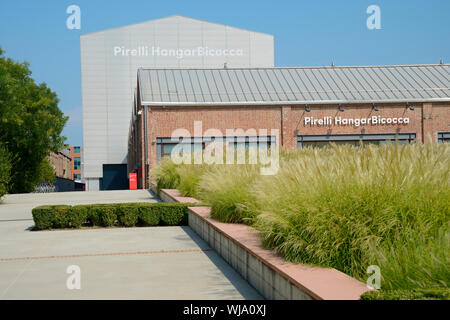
173,16
266,103
302,67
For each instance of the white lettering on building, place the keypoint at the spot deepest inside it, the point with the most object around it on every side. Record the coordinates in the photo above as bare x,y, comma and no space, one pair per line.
179,53
341,121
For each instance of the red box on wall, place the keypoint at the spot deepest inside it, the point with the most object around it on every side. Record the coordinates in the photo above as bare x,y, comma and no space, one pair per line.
132,177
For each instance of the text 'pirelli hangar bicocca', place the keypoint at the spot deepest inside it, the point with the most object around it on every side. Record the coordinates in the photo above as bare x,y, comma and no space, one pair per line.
142,82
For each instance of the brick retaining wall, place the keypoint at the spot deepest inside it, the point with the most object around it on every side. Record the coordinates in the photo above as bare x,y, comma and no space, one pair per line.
264,269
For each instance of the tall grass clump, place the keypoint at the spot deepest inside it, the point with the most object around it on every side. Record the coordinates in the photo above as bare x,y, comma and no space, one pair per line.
165,174
228,189
420,263
190,176
344,207
350,207
183,176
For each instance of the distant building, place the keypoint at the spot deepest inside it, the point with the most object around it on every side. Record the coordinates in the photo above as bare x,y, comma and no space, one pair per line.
76,155
291,107
109,63
62,164
66,164
144,83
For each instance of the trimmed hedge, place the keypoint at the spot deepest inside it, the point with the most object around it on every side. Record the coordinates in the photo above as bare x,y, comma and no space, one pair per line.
172,214
46,217
108,215
127,215
103,215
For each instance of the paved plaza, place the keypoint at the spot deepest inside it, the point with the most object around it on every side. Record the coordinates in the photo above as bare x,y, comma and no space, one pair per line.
115,263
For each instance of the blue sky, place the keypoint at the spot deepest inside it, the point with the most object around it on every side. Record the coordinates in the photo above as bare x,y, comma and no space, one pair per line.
306,33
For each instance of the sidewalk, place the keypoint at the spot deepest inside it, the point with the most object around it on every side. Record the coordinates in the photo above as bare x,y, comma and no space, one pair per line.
116,263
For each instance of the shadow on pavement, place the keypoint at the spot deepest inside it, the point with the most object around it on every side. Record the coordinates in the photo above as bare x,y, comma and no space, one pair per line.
224,268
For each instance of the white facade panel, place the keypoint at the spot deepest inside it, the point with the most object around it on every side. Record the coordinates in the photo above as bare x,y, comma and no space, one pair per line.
109,63
261,52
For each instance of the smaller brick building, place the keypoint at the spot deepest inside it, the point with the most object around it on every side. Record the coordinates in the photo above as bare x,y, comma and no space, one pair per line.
76,155
62,164
290,107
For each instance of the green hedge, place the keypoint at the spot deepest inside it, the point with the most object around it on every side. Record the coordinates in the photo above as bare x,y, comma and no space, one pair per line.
415,294
108,215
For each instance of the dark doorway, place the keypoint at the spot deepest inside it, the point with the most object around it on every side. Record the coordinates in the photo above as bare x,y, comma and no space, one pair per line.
115,177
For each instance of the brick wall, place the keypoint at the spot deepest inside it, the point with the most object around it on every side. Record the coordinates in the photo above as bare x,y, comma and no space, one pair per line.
358,111
74,155
163,121
437,120
426,119
61,164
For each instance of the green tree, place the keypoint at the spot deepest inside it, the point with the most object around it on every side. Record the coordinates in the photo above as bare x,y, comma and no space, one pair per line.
47,172
5,170
30,123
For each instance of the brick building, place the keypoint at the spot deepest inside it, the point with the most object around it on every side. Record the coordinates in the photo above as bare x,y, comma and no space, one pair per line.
76,155
290,107
62,164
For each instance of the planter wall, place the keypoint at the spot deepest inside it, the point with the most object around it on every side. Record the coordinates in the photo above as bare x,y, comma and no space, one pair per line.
264,269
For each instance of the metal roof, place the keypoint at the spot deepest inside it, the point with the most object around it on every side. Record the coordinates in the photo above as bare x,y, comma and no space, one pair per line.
302,85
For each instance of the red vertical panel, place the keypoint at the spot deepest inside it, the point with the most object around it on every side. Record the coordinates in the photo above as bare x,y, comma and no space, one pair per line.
133,181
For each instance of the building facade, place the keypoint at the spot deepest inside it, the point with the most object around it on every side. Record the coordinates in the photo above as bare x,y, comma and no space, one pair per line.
110,60
61,162
76,155
290,107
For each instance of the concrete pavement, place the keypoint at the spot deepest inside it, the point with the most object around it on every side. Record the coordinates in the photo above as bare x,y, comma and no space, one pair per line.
18,206
115,263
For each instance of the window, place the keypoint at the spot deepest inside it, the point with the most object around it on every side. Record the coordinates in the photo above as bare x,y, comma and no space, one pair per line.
165,146
443,137
253,142
321,141
77,177
77,163
76,149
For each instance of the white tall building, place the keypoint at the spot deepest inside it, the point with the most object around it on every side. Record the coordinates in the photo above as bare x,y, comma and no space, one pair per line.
109,63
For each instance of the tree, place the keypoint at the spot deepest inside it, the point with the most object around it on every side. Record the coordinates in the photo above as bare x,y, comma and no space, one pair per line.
5,170
30,123
47,172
